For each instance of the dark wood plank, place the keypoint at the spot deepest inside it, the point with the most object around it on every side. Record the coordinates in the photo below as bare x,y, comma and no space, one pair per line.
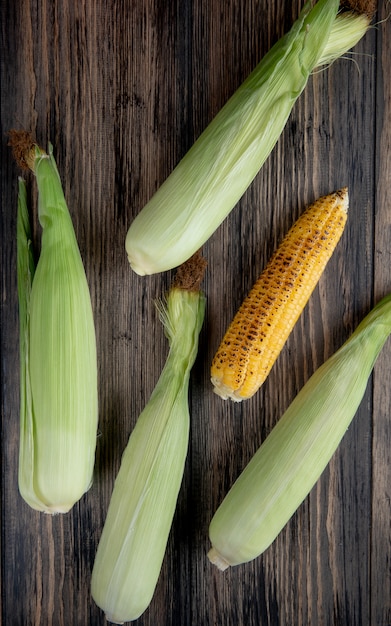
380,546
122,90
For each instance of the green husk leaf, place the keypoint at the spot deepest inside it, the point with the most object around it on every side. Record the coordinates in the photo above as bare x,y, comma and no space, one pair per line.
59,399
142,505
25,274
348,28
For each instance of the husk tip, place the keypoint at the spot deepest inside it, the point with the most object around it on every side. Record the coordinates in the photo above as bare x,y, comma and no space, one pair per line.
216,559
112,620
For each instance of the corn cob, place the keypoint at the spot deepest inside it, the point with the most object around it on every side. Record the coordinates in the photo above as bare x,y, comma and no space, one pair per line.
214,174
133,542
266,317
293,456
58,369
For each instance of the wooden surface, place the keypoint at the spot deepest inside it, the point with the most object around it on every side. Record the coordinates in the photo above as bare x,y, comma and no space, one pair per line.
122,89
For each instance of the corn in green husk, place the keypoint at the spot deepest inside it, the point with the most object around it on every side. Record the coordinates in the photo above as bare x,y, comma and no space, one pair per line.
291,459
58,368
133,542
213,175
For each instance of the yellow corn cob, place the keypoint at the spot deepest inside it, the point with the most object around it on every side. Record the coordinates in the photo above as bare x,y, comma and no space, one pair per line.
266,317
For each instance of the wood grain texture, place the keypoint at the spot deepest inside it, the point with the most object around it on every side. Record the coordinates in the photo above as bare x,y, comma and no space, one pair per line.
122,89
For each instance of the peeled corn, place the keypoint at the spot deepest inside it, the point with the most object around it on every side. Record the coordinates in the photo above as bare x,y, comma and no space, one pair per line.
268,314
293,456
58,368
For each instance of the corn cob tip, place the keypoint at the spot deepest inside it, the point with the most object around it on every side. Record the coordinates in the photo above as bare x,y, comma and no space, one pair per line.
216,559
224,391
190,274
343,195
24,148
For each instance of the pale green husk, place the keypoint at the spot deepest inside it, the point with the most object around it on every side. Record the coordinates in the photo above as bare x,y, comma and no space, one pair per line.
291,459
58,368
210,179
348,28
142,505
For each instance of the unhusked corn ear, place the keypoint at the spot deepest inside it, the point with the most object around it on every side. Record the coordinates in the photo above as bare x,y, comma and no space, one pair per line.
268,314
134,537
58,365
213,175
293,456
